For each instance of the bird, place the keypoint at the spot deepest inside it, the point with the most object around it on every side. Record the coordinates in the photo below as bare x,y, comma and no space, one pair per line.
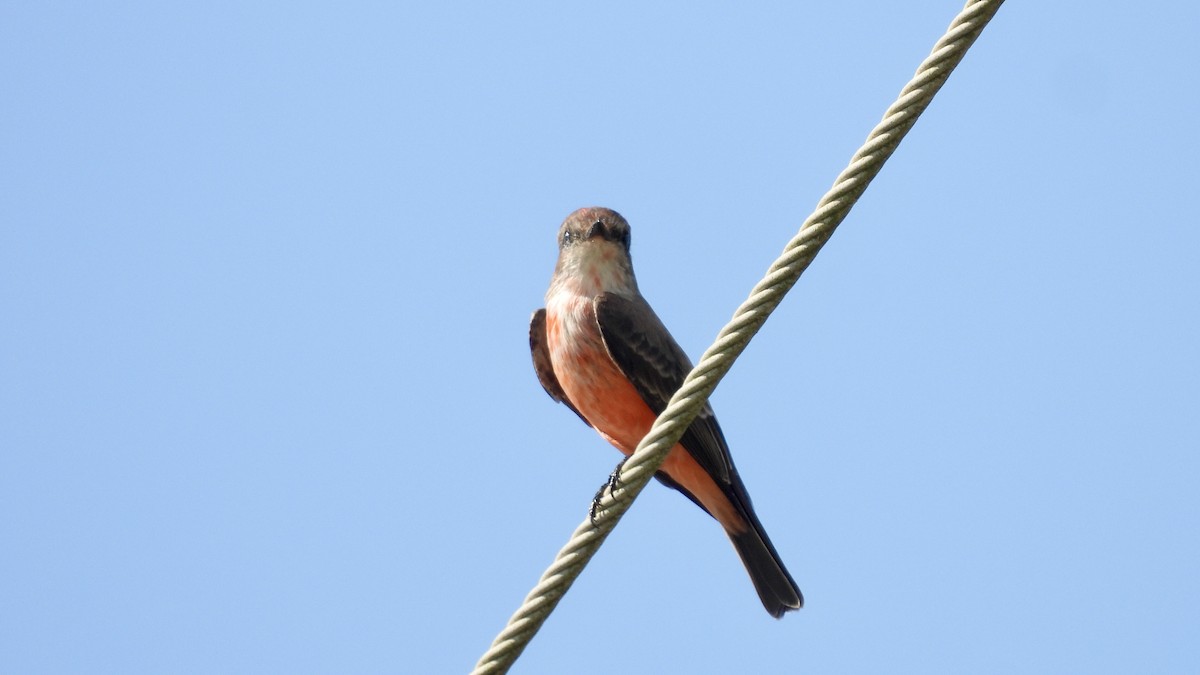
600,349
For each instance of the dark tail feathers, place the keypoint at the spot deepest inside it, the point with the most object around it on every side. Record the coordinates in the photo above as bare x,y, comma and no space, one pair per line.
775,586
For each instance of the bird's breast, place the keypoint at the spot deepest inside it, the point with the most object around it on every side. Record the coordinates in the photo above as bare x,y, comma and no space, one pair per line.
588,375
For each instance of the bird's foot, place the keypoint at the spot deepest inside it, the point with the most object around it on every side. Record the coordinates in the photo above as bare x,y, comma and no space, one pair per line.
612,485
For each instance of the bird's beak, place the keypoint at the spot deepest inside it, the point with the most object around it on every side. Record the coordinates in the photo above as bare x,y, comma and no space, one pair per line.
597,228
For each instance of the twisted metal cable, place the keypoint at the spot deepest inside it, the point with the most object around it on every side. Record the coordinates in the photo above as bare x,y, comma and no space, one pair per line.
733,338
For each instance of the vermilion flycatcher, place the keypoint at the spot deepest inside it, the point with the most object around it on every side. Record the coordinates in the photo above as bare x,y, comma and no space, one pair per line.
599,348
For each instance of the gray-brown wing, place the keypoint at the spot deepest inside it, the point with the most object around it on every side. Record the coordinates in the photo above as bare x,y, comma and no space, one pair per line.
656,365
541,362
646,353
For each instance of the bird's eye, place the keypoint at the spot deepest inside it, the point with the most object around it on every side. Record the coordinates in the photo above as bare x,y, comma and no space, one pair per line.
567,237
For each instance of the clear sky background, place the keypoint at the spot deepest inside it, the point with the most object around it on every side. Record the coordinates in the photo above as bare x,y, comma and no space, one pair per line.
265,276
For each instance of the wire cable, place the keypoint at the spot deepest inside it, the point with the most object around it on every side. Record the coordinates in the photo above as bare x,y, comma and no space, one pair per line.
831,210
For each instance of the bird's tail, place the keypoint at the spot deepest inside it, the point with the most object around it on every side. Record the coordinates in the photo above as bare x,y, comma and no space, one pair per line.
776,588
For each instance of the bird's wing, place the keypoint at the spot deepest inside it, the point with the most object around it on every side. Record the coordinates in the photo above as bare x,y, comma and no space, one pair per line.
542,364
646,353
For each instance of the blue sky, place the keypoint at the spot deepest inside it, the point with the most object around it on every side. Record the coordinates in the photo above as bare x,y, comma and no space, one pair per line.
265,395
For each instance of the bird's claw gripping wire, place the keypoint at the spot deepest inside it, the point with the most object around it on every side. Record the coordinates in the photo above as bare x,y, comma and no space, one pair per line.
612,485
